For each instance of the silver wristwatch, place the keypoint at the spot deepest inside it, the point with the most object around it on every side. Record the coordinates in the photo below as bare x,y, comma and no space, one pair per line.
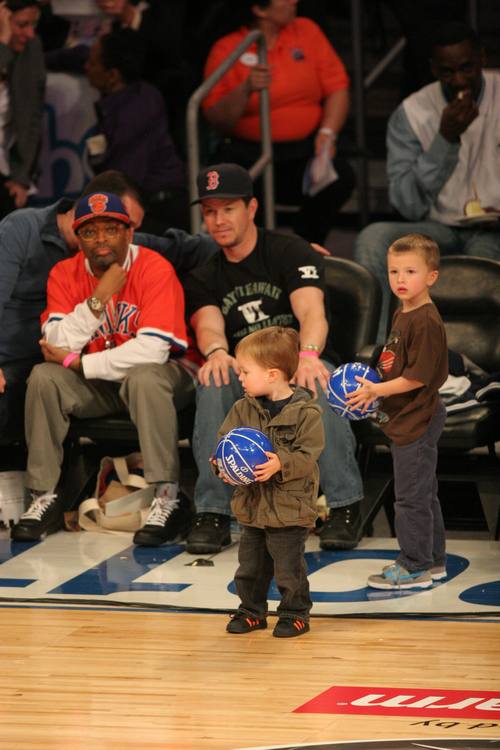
95,304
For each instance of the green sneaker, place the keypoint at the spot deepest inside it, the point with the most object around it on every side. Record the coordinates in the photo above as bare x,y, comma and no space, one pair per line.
438,572
396,577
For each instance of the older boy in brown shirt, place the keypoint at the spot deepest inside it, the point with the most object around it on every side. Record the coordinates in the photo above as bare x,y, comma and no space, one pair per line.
413,364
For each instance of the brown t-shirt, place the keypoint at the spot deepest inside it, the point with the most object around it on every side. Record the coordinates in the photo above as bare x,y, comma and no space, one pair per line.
416,349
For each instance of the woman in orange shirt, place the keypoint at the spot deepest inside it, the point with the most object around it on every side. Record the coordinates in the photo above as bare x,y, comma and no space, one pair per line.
309,95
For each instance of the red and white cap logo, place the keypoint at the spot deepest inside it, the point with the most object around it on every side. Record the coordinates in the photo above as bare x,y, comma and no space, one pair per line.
213,180
98,203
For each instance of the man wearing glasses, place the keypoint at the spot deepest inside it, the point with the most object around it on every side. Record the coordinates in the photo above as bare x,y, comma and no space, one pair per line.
114,339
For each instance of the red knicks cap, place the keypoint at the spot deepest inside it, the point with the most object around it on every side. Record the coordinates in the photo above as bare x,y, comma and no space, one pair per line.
224,181
100,206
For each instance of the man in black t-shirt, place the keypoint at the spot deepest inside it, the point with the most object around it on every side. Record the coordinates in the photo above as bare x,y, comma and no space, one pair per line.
261,278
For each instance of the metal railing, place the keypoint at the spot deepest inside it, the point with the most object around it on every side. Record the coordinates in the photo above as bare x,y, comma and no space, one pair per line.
263,165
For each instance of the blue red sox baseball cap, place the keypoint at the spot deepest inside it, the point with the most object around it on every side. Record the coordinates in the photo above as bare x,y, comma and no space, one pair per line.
100,206
224,181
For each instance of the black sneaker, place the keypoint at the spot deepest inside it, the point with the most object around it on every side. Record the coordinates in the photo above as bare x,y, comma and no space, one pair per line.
44,516
168,521
342,529
210,533
242,622
287,628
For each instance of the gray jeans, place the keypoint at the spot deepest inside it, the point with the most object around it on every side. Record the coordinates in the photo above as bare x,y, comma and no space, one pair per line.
151,394
279,552
418,518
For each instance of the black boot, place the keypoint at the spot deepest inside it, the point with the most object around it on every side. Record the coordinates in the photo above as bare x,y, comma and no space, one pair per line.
210,533
342,529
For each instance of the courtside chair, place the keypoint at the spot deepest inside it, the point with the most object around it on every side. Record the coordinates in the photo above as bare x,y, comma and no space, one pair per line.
90,439
353,302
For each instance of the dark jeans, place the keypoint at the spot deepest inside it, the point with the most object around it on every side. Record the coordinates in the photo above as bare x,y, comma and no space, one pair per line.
419,521
12,400
279,552
317,215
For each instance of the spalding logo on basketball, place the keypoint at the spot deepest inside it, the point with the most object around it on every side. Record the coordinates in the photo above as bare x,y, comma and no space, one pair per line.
342,382
240,451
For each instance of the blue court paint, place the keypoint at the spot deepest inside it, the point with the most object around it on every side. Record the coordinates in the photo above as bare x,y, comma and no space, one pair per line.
119,572
8,550
317,560
486,594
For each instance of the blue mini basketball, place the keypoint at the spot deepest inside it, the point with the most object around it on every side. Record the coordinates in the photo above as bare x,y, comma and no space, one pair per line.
342,382
240,451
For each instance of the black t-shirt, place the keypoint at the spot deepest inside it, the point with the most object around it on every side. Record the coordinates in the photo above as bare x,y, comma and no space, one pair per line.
255,293
274,407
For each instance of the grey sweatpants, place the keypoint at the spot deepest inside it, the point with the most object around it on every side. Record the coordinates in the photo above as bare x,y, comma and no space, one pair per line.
151,394
418,518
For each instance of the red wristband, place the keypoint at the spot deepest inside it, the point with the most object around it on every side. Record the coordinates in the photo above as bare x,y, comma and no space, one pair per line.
69,358
308,353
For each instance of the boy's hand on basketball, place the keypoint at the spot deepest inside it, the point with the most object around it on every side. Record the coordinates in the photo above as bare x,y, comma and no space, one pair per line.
310,370
263,472
226,479
219,472
365,395
218,365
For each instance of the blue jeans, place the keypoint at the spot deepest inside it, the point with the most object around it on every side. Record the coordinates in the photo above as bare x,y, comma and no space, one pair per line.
370,250
418,518
339,472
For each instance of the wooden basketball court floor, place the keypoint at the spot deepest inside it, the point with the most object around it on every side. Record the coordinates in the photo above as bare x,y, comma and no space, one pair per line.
90,662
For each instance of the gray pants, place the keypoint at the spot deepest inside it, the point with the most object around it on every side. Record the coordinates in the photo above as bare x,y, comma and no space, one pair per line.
418,518
151,394
279,552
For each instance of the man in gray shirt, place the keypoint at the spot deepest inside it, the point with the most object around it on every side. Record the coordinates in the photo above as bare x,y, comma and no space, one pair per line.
443,160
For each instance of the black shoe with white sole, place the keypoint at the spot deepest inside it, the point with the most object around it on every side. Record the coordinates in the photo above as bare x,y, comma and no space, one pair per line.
168,521
44,516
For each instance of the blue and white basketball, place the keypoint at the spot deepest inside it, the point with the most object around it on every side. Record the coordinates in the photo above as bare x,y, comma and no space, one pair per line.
342,382
240,451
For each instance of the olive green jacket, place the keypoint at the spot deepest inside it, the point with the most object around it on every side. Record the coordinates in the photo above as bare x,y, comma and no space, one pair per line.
297,436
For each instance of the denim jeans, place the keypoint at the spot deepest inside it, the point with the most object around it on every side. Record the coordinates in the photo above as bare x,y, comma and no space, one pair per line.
340,477
279,552
373,241
418,518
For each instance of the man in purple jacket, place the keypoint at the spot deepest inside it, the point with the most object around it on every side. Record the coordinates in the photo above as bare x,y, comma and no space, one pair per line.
134,136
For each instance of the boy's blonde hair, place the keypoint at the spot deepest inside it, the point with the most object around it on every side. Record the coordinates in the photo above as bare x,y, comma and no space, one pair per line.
274,347
418,243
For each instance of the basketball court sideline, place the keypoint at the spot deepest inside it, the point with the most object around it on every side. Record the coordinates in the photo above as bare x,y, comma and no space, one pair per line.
109,646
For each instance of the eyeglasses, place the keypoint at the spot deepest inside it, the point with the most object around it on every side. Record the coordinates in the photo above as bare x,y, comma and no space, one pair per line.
110,231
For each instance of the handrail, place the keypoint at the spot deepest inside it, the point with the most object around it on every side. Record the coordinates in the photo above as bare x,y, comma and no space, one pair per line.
265,162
